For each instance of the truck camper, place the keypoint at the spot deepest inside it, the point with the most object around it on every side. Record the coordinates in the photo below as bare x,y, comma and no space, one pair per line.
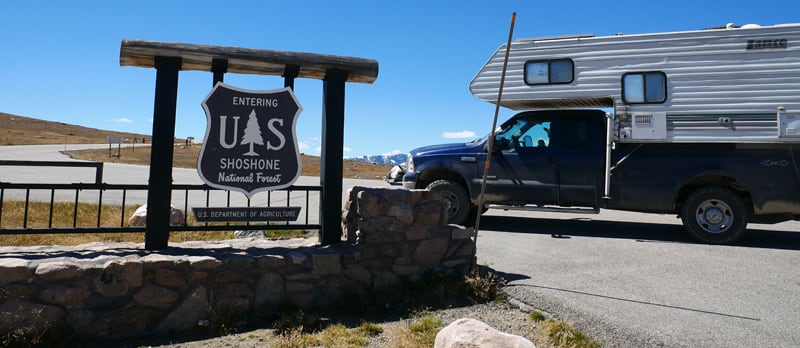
704,124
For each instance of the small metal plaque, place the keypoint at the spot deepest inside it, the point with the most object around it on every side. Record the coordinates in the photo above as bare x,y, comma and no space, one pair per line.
248,214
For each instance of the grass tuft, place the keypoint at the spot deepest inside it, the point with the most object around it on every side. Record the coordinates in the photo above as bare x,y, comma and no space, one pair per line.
536,317
420,332
562,334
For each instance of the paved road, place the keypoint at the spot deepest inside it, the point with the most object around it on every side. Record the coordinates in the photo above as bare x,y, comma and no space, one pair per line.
627,279
115,173
636,280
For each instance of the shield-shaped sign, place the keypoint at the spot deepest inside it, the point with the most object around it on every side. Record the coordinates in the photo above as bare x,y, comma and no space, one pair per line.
250,144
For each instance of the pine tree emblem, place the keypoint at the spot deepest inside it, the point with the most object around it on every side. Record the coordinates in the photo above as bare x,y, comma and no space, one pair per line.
252,134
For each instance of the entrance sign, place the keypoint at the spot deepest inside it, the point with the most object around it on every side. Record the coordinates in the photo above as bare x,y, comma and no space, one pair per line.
250,144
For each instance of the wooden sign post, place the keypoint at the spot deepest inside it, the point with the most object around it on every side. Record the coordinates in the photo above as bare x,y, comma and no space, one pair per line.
170,58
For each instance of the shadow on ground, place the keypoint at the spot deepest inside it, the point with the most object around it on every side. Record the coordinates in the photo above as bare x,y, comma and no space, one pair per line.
639,231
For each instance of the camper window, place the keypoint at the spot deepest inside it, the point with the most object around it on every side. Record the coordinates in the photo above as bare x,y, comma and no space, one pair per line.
644,87
540,72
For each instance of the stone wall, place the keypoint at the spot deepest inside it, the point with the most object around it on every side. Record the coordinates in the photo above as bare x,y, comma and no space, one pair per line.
105,290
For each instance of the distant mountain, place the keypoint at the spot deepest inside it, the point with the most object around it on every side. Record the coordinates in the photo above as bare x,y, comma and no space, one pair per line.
387,159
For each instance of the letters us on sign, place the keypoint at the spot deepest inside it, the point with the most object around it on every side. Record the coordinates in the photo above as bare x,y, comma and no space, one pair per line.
250,143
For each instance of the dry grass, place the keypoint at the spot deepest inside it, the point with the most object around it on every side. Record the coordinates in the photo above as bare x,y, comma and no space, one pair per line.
20,130
38,216
186,157
418,333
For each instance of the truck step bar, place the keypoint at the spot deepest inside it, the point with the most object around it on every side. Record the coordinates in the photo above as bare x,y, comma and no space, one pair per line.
531,207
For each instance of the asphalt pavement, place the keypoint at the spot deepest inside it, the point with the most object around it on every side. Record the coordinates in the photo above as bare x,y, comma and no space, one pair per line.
637,280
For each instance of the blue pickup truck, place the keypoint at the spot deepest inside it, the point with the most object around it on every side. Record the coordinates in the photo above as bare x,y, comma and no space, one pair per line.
560,160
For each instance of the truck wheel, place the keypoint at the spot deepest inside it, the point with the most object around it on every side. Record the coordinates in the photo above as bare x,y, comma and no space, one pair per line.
456,202
714,215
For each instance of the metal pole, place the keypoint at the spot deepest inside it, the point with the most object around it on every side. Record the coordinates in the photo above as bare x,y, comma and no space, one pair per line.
488,162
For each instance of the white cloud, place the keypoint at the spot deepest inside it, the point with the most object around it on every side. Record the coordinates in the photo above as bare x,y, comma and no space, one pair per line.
392,153
459,135
122,120
346,149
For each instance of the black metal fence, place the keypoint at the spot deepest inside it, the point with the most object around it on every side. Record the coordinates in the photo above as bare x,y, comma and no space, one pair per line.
18,202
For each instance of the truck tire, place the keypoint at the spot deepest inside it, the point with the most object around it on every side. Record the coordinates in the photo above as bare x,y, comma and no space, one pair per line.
456,201
714,215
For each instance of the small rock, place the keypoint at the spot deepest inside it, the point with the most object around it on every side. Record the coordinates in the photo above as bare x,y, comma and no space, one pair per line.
256,234
466,333
139,217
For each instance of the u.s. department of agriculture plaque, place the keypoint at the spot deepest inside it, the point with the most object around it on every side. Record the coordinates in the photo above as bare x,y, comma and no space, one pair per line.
250,144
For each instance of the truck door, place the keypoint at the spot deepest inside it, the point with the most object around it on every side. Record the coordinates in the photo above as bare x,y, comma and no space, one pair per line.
580,143
524,167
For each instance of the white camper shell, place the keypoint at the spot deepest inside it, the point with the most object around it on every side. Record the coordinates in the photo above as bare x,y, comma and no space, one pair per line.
731,84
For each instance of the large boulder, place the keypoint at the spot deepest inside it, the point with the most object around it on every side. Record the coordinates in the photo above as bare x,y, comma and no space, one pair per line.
139,217
471,333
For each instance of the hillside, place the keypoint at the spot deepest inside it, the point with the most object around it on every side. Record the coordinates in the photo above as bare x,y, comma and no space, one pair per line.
20,130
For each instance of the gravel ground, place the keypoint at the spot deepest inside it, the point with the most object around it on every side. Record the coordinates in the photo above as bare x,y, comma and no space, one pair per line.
502,316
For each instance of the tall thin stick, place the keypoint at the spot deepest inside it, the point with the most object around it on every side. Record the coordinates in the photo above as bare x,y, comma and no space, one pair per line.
488,162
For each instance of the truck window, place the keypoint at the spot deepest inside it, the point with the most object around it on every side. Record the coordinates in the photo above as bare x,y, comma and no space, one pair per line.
644,87
524,134
539,72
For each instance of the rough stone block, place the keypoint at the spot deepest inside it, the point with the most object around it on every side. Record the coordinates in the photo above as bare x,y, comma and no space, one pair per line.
359,274
58,271
403,212
272,262
386,280
156,261
326,264
239,263
232,308
155,296
417,232
66,295
233,290
204,262
20,291
430,213
293,287
370,204
14,270
199,277
269,289
430,252
191,310
112,281
406,270
170,277
227,277
29,317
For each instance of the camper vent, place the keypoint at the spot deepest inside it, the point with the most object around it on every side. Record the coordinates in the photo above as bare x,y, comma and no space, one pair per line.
649,126
643,120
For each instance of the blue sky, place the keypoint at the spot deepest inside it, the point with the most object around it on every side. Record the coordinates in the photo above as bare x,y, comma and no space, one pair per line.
60,59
